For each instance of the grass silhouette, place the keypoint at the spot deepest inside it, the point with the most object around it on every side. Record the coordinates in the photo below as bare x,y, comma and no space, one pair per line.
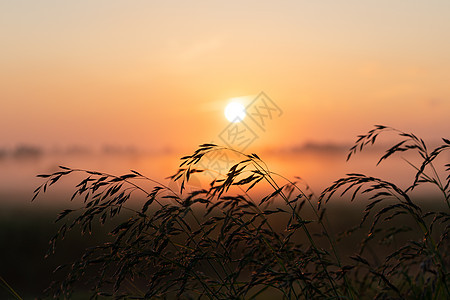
213,244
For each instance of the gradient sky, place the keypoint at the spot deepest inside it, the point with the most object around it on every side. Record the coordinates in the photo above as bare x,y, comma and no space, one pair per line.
158,74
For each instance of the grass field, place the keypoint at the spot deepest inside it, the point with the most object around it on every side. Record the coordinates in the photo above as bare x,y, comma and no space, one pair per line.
25,244
360,238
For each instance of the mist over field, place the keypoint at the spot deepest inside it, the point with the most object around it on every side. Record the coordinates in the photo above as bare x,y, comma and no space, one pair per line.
318,164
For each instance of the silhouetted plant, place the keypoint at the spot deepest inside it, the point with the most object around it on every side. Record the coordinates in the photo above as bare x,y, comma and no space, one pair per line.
211,243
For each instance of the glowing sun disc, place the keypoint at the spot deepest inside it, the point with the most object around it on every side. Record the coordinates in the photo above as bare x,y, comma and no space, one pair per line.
235,112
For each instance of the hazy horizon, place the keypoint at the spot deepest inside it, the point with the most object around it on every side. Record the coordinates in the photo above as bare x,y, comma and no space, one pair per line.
125,83
158,75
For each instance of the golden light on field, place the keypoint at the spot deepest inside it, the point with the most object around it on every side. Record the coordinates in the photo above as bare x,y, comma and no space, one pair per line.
235,112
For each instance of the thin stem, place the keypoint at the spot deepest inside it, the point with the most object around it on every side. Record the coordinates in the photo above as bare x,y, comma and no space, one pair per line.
10,289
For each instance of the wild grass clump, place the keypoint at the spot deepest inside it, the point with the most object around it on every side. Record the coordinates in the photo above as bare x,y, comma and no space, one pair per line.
210,243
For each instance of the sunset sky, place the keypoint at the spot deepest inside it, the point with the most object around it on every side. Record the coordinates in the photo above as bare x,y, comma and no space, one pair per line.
158,74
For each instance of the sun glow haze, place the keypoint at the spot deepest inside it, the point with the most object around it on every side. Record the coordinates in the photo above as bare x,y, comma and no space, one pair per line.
158,76
235,112
95,73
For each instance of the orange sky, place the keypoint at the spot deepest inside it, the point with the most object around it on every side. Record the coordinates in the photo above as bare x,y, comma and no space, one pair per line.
157,75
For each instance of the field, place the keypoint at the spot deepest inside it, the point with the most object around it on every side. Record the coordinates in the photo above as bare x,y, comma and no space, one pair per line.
30,273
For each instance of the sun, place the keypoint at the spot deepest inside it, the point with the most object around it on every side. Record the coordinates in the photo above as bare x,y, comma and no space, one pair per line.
235,112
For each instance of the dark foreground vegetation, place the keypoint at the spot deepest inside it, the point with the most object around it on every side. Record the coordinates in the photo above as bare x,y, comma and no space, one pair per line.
223,243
